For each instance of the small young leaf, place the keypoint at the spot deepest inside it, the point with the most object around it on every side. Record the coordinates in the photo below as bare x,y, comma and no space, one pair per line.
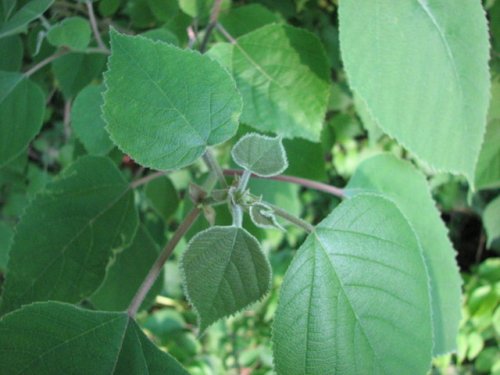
408,188
283,75
172,104
22,105
224,271
261,155
56,338
491,220
19,21
125,275
355,299
406,60
263,216
67,235
87,122
72,32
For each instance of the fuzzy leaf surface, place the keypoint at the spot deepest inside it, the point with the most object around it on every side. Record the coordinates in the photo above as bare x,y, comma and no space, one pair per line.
71,340
408,188
192,102
224,271
436,110
261,155
67,235
353,295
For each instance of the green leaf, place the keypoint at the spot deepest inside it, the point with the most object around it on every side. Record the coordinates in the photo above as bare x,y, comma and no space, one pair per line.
408,188
261,155
22,106
76,70
6,234
67,235
263,216
162,35
354,296
164,10
305,159
162,196
491,221
192,102
70,340
11,50
224,271
407,61
283,75
87,122
488,165
126,274
19,21
244,19
71,32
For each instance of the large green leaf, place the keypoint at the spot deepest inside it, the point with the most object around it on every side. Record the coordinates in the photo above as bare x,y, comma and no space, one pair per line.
67,235
19,21
282,73
87,122
421,67
408,188
355,299
57,338
192,101
22,105
125,275
224,271
12,49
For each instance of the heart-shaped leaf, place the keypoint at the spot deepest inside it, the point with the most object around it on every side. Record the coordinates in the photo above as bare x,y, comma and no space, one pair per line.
224,271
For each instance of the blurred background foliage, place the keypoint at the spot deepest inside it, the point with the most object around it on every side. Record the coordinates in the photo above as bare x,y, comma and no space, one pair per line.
242,345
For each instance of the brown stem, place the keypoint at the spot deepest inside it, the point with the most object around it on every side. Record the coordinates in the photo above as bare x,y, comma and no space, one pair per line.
160,261
214,16
144,180
93,24
45,62
333,190
213,165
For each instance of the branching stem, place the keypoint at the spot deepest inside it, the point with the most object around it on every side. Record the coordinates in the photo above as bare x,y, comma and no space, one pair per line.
161,260
213,165
93,24
144,180
214,16
310,184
